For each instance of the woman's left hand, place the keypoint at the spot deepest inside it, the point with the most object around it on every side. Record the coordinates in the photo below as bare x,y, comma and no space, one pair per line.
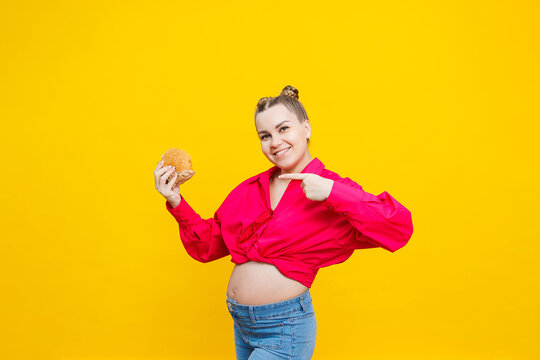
315,187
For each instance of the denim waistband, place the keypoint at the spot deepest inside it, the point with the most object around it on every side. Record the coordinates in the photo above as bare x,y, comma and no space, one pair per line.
300,302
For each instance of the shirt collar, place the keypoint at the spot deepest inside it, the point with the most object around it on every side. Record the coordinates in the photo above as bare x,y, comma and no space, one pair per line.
315,166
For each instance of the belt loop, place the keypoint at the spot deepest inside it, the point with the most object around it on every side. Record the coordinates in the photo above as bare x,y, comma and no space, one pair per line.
302,304
251,315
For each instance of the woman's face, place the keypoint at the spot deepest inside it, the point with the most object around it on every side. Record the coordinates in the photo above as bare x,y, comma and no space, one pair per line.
279,129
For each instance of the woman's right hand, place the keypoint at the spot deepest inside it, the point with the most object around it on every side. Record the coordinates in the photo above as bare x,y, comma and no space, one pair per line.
161,174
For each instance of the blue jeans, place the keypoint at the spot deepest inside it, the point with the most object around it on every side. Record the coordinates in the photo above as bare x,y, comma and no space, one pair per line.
279,330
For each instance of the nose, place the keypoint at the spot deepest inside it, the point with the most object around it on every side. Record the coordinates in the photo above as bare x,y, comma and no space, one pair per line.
276,140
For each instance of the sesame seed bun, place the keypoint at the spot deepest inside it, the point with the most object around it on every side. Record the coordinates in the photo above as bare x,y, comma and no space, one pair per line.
182,164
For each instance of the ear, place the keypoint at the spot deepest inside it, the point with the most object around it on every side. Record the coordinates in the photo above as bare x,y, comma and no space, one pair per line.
307,124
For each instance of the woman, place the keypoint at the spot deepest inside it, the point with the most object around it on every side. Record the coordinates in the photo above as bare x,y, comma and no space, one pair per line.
280,227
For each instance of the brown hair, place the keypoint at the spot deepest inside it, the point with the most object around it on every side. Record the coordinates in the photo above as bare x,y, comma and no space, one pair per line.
287,97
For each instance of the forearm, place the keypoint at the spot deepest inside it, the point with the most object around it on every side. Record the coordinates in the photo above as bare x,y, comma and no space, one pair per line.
202,238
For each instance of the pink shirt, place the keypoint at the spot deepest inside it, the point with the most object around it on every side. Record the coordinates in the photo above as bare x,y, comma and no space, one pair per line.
301,235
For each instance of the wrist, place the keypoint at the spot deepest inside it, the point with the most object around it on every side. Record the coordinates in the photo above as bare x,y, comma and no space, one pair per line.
174,201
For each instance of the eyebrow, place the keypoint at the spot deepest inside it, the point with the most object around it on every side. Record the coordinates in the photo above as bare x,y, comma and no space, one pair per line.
278,125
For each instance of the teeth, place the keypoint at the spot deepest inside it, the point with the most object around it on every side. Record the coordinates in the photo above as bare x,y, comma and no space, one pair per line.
282,151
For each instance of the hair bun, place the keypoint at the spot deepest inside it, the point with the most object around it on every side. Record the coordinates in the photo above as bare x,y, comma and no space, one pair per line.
290,92
263,100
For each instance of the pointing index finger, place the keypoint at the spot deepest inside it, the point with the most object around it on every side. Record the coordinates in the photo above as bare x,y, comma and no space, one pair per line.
294,176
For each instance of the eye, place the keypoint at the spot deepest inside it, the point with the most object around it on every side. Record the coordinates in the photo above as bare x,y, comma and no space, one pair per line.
283,127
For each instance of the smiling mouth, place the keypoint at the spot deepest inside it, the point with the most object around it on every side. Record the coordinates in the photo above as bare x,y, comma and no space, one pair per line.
282,151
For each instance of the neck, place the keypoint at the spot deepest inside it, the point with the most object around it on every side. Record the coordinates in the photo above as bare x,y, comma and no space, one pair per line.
298,167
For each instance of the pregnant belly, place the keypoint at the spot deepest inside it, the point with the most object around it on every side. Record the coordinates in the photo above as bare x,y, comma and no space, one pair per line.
257,283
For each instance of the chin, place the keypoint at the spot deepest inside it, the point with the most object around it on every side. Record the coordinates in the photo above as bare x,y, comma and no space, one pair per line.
286,164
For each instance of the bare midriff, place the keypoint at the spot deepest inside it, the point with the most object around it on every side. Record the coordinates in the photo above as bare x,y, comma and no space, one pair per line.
258,283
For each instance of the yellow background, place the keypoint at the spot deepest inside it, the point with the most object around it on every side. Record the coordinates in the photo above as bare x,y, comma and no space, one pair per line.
435,102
